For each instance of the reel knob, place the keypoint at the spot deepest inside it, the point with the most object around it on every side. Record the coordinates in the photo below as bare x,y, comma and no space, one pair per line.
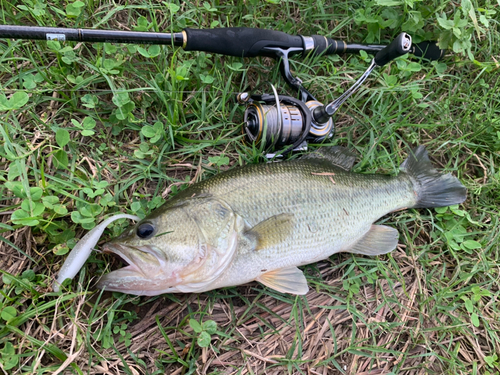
319,131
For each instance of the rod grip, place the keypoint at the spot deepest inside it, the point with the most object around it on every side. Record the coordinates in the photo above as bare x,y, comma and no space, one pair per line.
398,47
428,50
239,41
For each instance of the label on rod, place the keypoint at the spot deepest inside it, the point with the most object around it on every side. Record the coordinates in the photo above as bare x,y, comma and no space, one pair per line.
56,37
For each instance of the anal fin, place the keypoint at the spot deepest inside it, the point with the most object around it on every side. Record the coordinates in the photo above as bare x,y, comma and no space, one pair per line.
285,280
380,239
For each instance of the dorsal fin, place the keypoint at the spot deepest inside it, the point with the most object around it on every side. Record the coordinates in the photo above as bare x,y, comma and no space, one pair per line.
337,155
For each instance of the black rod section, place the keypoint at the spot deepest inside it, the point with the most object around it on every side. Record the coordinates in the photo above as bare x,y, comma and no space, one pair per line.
428,50
354,47
89,35
233,41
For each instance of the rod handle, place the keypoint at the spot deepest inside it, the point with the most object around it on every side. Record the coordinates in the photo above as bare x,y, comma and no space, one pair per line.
239,41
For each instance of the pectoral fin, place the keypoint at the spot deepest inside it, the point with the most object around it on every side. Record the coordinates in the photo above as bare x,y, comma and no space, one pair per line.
285,280
378,240
272,231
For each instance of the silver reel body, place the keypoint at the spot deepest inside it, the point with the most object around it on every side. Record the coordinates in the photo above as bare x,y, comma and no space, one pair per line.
275,121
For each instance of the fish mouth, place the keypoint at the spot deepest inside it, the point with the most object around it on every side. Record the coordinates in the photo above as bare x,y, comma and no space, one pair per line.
143,275
119,251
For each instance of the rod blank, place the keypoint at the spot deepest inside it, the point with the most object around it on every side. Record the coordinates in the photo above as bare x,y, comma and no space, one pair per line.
89,35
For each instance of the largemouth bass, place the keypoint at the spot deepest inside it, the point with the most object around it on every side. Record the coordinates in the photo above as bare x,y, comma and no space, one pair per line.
260,222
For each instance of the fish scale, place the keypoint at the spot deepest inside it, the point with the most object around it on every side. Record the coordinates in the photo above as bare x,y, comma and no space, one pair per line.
260,222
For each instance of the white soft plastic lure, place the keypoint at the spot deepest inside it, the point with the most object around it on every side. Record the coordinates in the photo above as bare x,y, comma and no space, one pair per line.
81,252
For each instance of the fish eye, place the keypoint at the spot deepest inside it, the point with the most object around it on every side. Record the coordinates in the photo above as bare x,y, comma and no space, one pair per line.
145,230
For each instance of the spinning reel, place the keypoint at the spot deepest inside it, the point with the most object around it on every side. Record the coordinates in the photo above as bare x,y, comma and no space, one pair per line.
286,123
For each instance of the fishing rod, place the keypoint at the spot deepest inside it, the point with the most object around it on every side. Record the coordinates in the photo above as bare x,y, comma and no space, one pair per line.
276,120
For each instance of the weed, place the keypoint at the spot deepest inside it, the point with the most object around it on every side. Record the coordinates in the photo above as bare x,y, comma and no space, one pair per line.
92,129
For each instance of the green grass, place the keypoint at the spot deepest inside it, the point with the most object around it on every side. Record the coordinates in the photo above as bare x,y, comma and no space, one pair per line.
98,129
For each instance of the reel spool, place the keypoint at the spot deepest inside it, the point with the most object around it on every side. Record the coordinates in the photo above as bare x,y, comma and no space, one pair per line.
262,120
279,121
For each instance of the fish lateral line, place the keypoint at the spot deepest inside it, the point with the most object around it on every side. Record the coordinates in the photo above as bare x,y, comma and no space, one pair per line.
329,174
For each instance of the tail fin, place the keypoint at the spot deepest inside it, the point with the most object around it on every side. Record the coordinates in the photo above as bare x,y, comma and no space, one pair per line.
432,188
